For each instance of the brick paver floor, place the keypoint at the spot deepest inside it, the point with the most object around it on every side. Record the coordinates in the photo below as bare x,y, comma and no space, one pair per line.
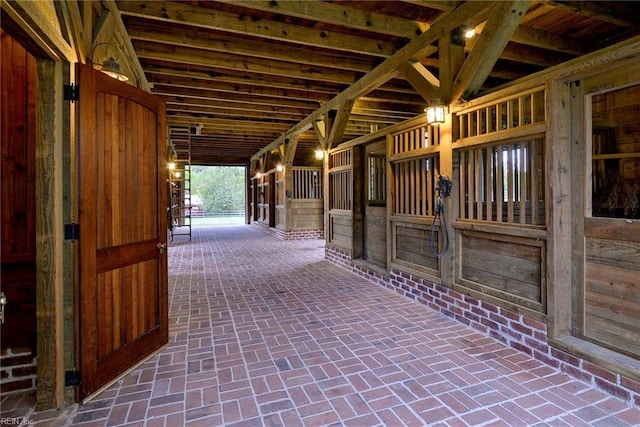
265,332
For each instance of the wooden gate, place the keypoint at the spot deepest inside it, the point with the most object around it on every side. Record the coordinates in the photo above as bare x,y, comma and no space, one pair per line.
122,199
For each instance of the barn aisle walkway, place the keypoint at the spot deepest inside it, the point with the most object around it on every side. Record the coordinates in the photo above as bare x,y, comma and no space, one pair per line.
266,333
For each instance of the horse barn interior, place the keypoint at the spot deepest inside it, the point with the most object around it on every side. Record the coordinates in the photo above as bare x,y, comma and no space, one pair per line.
479,158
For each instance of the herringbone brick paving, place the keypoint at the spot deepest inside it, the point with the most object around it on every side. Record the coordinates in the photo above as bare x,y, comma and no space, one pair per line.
264,332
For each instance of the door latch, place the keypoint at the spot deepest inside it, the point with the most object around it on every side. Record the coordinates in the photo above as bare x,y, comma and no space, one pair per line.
3,302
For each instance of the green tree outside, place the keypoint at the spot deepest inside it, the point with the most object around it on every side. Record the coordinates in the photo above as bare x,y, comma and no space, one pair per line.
221,188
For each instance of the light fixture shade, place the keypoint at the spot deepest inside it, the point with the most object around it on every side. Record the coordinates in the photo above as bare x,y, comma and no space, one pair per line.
112,68
319,154
435,115
279,167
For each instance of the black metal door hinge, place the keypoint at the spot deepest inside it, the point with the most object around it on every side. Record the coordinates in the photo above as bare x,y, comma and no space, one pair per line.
71,92
71,231
72,378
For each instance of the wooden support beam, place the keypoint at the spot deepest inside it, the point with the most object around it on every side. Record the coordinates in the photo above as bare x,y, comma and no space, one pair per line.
230,44
253,65
40,23
72,26
320,130
416,49
421,79
49,232
604,11
336,14
130,52
504,19
451,55
339,124
290,153
216,19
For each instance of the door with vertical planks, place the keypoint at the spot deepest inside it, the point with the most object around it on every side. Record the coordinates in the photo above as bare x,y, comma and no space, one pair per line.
122,224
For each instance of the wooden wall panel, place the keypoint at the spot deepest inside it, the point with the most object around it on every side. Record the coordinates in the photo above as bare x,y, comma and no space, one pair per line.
509,268
612,294
375,231
340,231
307,214
17,193
412,247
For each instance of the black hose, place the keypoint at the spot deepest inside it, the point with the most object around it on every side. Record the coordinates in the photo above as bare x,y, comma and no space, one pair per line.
443,227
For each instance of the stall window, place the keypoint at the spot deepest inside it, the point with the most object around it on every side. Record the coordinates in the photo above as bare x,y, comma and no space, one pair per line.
615,154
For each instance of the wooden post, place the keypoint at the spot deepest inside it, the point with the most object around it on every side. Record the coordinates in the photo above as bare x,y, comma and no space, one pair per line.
49,236
559,202
290,153
357,212
447,262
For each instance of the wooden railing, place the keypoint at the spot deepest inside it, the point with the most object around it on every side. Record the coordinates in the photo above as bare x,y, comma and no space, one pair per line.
524,109
307,183
503,183
415,168
340,185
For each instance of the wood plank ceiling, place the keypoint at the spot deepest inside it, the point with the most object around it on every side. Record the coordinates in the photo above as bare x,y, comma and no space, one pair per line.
248,75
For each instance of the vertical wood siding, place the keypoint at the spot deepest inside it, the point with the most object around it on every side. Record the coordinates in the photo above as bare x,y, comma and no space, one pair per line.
17,193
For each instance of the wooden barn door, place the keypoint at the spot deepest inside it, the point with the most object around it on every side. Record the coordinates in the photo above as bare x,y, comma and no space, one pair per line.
17,196
608,289
375,204
123,233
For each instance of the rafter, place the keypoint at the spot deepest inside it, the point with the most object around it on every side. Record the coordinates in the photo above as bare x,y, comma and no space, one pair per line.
185,55
225,43
501,24
418,48
219,20
340,15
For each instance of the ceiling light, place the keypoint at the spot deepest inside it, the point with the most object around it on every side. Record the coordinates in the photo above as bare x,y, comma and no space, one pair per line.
469,32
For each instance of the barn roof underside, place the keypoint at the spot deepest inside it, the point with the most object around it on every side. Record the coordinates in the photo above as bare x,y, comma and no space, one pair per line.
247,75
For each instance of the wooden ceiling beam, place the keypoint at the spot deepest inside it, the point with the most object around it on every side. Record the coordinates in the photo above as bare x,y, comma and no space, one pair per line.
442,5
226,44
608,11
298,94
222,96
184,55
204,17
232,105
222,114
345,16
228,112
527,54
416,49
503,21
235,76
